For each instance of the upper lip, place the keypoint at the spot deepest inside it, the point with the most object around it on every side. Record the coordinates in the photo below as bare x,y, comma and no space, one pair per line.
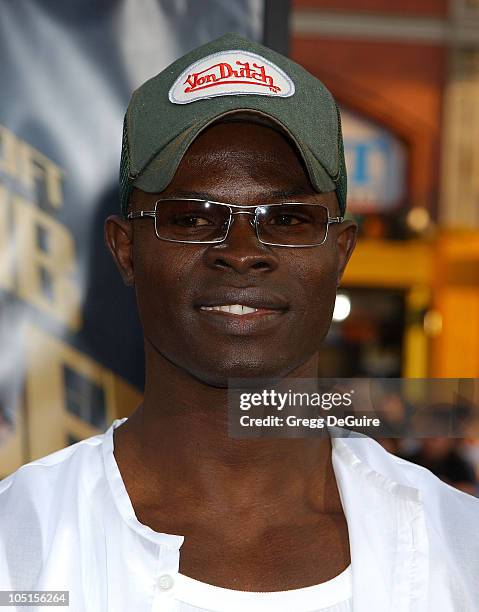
253,297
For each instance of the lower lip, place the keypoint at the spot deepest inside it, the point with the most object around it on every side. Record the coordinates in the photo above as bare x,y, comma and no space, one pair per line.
261,319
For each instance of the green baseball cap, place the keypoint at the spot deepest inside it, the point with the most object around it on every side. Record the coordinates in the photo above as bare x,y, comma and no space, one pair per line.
229,75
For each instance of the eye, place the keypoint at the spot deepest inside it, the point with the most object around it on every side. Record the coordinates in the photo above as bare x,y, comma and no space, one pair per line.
190,221
288,219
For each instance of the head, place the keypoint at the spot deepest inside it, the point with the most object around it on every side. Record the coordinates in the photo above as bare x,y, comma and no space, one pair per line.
236,159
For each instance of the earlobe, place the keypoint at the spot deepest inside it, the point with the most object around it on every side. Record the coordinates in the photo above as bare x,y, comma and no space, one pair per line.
346,241
118,238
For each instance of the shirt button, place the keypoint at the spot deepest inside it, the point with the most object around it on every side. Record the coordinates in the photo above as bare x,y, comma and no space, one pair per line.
165,582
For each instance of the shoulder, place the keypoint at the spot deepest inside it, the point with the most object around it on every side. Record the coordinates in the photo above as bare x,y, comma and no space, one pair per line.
42,508
443,504
40,484
434,521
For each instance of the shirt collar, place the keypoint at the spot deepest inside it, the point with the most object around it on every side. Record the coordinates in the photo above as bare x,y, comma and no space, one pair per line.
121,498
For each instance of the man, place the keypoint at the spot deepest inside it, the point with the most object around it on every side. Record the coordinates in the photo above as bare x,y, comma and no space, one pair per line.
233,193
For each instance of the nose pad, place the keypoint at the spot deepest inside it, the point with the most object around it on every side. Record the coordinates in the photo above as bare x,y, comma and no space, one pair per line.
251,220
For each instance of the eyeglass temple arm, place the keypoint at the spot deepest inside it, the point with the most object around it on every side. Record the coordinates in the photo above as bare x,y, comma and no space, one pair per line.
335,220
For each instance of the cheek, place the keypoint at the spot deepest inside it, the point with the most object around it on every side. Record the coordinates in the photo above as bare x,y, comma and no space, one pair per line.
160,270
316,290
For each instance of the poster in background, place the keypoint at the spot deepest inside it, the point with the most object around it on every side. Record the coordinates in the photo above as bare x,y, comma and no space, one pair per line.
71,356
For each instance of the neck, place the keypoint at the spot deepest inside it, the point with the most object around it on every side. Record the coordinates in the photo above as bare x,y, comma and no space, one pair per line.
180,434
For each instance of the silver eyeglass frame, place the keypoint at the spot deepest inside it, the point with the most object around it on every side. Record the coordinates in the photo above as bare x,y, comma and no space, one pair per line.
253,222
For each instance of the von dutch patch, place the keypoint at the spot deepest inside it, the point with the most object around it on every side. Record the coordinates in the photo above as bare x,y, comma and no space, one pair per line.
230,73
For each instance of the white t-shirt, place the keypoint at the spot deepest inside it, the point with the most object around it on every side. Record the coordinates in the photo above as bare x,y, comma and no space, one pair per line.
332,596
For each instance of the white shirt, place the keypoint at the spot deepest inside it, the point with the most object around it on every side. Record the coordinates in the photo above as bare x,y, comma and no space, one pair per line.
67,523
332,596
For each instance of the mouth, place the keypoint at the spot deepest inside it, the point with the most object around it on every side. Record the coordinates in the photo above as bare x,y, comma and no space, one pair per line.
252,312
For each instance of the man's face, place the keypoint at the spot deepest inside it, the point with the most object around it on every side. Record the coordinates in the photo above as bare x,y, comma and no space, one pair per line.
294,288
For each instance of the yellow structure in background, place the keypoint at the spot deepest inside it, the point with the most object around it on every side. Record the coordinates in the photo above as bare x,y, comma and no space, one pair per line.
44,423
456,348
440,276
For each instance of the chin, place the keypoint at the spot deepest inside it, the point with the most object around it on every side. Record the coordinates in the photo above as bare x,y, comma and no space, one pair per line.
217,374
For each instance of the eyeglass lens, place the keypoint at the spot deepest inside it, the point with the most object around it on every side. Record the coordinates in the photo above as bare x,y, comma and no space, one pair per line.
196,221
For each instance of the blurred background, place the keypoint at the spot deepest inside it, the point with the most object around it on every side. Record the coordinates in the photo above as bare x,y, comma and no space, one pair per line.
406,76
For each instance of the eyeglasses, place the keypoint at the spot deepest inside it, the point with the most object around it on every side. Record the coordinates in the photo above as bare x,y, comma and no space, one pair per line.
292,224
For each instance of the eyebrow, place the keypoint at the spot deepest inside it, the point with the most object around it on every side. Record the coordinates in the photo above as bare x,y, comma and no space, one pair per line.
290,193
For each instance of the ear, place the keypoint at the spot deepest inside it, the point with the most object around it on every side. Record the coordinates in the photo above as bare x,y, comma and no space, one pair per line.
346,241
118,238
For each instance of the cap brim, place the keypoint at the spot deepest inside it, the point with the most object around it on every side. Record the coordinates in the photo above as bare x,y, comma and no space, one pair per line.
160,171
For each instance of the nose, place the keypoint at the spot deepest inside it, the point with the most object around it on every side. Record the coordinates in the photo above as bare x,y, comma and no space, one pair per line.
241,251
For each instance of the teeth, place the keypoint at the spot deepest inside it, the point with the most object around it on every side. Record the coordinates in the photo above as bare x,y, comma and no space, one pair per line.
237,309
